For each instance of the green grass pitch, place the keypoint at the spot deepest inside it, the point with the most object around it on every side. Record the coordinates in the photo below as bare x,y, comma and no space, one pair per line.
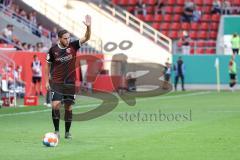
208,129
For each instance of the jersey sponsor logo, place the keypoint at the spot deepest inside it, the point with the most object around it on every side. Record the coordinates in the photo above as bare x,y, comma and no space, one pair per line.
64,59
68,50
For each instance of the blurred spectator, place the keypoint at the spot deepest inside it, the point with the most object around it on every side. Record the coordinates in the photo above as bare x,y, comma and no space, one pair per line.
54,35
189,5
196,15
140,8
159,7
32,18
23,14
179,69
7,75
188,11
8,32
6,3
20,84
226,7
40,47
167,74
31,47
185,43
216,7
232,72
25,46
235,41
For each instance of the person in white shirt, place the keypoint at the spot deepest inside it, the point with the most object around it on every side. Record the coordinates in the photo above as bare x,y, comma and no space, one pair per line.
8,32
37,75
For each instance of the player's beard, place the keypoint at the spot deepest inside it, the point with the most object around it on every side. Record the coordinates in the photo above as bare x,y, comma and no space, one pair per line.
64,45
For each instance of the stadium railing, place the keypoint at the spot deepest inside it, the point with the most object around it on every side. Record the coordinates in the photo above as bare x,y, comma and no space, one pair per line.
72,25
137,24
31,27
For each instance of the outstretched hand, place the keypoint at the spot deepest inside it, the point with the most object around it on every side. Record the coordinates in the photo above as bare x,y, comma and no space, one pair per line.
87,21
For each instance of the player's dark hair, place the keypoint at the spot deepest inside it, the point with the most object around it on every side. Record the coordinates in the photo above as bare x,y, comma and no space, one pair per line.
61,33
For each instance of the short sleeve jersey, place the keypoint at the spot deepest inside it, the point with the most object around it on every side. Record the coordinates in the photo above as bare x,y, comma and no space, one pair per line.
62,62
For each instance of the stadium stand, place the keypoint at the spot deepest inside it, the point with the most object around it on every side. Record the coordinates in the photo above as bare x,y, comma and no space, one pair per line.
19,31
170,21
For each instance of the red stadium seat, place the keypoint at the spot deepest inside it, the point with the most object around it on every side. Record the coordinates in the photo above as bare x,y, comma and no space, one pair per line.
165,33
206,17
194,26
170,2
132,2
178,10
123,2
192,43
203,26
235,2
148,18
175,26
185,26
215,18
207,9
214,26
202,35
208,2
140,16
201,44
199,51
213,35
115,1
198,2
167,18
179,44
180,2
165,26
176,17
193,35
173,34
192,51
156,26
210,51
130,9
150,2
158,17
169,9
150,9
211,43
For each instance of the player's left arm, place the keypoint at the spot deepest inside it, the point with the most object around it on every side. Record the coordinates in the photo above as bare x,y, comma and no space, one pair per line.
87,35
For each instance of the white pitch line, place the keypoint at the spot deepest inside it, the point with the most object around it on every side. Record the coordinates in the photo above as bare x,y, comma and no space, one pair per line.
96,104
227,111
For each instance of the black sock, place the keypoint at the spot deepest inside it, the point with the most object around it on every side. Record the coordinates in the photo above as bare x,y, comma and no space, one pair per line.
68,120
55,118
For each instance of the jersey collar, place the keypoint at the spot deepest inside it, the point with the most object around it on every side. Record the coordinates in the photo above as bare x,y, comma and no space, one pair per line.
59,46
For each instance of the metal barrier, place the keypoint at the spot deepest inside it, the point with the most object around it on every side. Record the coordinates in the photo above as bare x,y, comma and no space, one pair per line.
137,24
32,28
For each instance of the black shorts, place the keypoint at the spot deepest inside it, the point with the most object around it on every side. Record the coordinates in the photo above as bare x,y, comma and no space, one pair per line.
235,50
66,99
232,76
36,80
167,77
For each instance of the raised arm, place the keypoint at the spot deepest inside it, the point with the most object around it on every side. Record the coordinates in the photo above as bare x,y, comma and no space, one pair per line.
87,35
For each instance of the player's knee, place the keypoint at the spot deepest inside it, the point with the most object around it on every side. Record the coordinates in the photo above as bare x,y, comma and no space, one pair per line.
56,105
